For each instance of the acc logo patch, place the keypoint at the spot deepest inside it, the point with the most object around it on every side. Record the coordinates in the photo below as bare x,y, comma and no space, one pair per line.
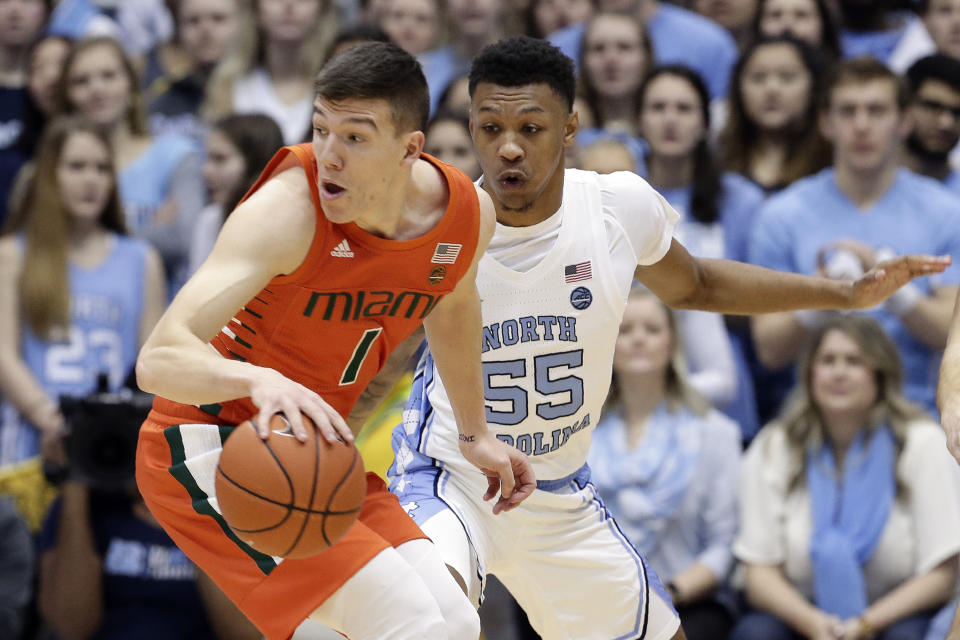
581,298
437,274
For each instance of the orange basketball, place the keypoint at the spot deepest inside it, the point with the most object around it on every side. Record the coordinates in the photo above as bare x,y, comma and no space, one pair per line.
289,498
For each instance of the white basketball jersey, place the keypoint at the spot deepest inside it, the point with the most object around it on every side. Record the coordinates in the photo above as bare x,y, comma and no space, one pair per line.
549,332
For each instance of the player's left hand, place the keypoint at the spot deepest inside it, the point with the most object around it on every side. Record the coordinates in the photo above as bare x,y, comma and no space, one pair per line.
508,470
883,280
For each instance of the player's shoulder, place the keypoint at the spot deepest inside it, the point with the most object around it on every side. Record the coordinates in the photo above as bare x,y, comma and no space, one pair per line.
618,190
278,217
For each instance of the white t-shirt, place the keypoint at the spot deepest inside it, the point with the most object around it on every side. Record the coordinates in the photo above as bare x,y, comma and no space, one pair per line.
922,531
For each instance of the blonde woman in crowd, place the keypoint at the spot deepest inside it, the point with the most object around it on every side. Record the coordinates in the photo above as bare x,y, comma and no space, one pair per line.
850,502
280,48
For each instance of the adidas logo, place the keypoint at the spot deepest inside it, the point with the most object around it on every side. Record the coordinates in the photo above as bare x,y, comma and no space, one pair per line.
342,250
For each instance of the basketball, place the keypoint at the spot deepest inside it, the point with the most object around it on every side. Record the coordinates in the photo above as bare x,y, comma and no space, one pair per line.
289,498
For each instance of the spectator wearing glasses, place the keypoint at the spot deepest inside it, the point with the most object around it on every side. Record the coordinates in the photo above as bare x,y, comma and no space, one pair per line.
934,112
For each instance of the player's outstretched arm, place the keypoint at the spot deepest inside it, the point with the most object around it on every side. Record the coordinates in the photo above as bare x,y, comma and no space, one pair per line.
268,235
726,286
453,331
948,386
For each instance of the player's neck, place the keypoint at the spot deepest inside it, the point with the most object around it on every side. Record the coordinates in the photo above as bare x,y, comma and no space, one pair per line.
864,187
415,204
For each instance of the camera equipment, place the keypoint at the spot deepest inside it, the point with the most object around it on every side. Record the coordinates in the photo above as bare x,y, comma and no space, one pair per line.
102,430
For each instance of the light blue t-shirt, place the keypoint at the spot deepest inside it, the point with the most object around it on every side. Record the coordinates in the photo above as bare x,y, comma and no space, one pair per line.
916,215
678,36
106,304
952,182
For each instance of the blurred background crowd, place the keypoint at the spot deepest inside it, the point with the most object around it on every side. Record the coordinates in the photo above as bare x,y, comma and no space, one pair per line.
811,136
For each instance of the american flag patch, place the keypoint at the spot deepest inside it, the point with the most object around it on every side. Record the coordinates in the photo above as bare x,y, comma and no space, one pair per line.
446,253
577,272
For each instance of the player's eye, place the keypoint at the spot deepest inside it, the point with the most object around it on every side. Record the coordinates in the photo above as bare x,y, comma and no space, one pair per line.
489,128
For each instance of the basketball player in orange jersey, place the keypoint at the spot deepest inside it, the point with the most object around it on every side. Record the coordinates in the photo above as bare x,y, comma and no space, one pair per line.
333,258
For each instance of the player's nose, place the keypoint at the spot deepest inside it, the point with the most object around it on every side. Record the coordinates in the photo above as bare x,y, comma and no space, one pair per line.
510,150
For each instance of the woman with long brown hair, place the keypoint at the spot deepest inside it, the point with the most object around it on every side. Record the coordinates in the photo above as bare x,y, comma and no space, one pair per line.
77,296
771,134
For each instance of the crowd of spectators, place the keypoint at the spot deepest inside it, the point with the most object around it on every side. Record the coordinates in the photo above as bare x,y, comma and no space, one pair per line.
784,474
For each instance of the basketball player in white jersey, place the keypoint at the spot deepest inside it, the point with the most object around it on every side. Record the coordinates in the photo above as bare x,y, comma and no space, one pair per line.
554,283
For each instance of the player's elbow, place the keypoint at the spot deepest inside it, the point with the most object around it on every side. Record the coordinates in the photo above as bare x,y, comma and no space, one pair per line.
146,369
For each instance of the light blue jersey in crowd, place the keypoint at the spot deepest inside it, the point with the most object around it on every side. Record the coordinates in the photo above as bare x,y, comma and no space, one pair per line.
106,304
916,215
678,36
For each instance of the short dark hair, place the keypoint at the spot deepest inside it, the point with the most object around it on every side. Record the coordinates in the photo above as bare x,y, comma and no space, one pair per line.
379,71
515,62
935,67
862,70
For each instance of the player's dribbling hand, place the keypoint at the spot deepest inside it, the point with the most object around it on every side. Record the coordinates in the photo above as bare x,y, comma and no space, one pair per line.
508,470
883,280
275,393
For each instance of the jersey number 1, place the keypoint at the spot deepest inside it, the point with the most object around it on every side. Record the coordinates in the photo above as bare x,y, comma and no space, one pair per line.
359,355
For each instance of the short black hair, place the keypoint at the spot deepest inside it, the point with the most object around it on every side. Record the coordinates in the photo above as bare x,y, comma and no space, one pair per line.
379,71
515,62
935,67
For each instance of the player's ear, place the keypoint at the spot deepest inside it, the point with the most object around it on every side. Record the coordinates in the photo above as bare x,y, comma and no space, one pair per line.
414,147
570,128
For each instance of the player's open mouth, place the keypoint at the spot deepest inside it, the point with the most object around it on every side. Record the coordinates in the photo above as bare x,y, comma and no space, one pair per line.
511,180
330,190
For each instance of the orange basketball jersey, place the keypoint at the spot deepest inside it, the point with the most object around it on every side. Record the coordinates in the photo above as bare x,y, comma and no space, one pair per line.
331,324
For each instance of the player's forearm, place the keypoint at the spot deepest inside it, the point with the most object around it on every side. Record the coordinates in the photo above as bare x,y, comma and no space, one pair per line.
454,338
188,371
920,593
948,384
726,286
